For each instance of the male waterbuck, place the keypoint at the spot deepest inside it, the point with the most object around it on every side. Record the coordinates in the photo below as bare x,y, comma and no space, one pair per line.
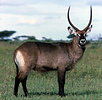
50,56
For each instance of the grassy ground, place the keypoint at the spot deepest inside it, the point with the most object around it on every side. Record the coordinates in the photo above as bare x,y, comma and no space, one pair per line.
84,82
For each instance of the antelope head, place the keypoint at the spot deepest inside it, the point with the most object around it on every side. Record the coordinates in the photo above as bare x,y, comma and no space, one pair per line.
80,34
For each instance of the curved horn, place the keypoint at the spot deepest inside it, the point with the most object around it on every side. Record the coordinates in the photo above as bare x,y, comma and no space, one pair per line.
85,29
70,21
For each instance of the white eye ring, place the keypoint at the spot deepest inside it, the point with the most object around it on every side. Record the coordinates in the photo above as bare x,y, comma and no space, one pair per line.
85,34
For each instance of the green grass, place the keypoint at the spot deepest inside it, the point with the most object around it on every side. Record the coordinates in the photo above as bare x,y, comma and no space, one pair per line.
84,82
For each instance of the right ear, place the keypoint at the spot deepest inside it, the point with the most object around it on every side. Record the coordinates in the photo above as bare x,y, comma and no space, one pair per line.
72,31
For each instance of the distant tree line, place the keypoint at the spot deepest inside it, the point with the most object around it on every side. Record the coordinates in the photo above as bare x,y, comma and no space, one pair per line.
4,36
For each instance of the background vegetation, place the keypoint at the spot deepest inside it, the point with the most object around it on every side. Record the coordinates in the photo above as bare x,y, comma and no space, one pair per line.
84,82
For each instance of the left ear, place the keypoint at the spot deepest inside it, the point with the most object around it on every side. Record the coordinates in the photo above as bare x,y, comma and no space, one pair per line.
89,29
72,31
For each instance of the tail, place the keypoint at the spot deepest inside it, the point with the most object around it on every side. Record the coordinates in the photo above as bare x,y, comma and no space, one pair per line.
17,69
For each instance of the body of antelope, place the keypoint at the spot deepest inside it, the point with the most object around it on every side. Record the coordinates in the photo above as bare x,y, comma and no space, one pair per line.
50,56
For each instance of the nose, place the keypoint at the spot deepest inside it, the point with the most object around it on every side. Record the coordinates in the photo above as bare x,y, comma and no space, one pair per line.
82,41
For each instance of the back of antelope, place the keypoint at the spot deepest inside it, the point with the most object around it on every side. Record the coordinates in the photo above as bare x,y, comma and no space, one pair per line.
50,56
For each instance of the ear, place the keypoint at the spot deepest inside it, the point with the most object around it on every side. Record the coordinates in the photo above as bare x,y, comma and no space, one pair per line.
72,31
89,29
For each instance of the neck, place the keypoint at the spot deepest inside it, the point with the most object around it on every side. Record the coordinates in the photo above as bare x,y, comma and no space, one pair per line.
83,47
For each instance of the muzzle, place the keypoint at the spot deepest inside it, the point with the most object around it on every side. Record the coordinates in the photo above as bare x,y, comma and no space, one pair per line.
82,41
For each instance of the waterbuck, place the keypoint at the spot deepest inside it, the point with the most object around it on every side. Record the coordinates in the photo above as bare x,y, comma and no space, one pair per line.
50,56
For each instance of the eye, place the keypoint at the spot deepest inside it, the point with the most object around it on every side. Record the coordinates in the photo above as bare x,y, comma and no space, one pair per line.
85,34
78,34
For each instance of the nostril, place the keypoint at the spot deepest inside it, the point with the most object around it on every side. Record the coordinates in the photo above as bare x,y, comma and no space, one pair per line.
83,41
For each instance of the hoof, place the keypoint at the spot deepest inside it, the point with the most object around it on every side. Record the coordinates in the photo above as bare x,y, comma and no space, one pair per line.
62,95
15,94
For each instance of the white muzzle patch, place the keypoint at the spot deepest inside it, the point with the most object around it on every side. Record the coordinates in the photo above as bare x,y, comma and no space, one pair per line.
83,41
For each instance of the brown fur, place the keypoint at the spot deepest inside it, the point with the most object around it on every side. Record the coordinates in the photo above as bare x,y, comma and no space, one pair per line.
49,56
46,57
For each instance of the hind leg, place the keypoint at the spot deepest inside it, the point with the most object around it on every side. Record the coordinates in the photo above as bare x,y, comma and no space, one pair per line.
22,77
17,81
24,86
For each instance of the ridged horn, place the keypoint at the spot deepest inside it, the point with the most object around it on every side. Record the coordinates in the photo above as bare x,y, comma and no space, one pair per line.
70,21
85,29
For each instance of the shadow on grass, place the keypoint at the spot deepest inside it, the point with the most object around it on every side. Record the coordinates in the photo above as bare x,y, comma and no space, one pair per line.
87,92
42,93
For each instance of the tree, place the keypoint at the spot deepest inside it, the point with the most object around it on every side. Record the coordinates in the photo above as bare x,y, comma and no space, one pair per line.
31,38
47,40
6,33
70,36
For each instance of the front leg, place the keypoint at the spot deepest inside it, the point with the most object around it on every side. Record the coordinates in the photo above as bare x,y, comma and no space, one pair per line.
61,81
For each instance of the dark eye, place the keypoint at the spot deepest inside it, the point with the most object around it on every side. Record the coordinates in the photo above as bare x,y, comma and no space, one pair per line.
85,34
78,34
